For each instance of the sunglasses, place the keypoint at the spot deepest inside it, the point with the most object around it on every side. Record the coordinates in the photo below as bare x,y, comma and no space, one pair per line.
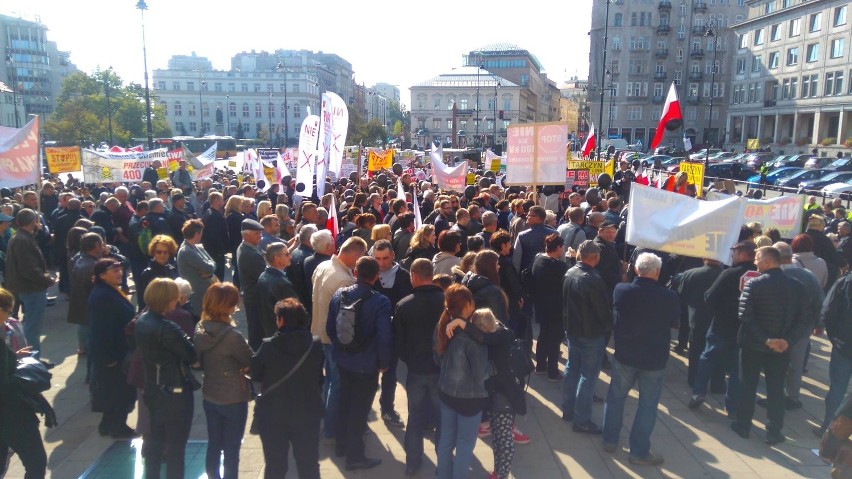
161,251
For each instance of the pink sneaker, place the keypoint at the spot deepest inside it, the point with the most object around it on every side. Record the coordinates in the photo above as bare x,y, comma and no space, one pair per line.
493,475
484,429
519,437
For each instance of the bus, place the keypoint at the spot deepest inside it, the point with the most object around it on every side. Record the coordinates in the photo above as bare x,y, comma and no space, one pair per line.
226,146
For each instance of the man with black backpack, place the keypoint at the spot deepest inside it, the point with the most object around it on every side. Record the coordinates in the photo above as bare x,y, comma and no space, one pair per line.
359,327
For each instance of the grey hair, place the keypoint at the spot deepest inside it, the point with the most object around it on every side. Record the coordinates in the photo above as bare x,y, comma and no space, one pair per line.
306,231
648,264
122,189
784,250
489,218
321,240
184,287
154,202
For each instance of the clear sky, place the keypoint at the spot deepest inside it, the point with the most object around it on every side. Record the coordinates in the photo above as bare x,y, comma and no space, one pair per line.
400,43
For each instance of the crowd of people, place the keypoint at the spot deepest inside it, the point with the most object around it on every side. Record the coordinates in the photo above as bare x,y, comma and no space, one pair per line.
154,275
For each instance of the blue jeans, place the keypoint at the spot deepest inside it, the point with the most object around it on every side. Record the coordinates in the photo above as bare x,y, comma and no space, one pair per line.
331,393
423,406
225,427
33,305
839,372
585,357
650,388
457,432
719,353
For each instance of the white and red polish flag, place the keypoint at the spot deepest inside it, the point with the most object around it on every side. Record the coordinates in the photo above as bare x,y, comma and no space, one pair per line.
331,223
589,144
671,119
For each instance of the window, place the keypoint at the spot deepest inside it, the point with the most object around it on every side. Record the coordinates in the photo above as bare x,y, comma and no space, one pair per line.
840,16
284,111
436,102
658,89
297,110
786,3
270,108
813,52
463,103
742,41
634,19
191,109
773,60
231,87
741,66
794,83
507,102
837,47
190,86
270,88
775,32
247,128
161,85
756,65
758,37
815,23
616,43
232,109
525,79
834,83
785,89
258,110
257,87
617,20
806,86
769,7
217,87
793,56
244,87
795,27
814,85
178,110
829,84
693,90
192,126
634,112
436,124
245,110
176,86
838,83
450,125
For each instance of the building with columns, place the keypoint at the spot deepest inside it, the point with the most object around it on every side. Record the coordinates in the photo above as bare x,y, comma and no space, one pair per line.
649,45
793,79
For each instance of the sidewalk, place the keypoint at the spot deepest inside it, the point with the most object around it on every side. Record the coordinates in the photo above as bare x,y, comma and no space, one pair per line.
695,444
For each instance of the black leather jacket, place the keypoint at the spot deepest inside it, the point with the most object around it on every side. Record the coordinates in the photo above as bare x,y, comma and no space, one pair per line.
587,311
771,306
166,351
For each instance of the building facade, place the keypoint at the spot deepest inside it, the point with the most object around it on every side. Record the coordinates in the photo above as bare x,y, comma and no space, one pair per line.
472,106
793,75
261,93
573,95
32,65
7,106
649,45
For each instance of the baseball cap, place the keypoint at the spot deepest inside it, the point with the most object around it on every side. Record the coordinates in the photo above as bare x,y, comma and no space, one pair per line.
250,225
607,224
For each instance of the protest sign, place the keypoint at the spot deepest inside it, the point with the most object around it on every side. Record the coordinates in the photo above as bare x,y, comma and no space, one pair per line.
536,153
62,159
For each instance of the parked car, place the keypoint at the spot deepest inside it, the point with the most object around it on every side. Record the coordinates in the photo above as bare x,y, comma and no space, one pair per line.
721,156
840,164
775,175
817,162
794,160
673,164
793,180
825,180
779,160
756,160
722,171
839,190
700,155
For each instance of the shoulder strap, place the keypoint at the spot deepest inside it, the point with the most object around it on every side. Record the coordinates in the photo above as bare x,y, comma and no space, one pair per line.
287,376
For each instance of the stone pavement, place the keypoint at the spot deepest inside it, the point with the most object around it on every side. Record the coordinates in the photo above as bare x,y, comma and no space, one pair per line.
695,444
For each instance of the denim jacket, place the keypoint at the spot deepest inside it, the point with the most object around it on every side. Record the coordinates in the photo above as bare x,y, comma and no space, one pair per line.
464,368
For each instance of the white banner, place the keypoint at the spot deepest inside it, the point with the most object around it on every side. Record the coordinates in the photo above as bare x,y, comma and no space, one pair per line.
536,154
19,163
675,223
334,123
783,213
449,178
307,159
108,167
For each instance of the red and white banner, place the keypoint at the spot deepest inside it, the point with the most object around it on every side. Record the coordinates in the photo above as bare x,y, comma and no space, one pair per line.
107,167
334,122
450,178
307,159
19,163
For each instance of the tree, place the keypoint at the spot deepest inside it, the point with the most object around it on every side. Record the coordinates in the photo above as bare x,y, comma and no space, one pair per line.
82,112
240,132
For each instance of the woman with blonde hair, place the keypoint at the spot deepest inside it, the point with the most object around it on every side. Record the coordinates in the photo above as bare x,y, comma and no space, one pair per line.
461,384
233,219
422,245
379,232
225,357
248,208
264,208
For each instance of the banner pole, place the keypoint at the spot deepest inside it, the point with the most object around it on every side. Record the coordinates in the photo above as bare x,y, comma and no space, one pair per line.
360,167
535,166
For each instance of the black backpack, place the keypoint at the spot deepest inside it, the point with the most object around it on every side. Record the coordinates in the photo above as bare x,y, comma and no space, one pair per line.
519,358
350,336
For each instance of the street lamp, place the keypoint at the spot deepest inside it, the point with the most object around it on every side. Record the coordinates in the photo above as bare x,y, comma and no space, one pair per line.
228,114
109,106
715,34
494,113
281,68
142,6
201,85
11,63
269,134
476,138
603,70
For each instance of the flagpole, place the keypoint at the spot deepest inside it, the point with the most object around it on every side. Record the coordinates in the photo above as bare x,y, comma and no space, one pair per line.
360,167
603,78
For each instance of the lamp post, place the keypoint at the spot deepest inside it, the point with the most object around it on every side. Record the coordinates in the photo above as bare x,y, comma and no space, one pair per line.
142,6
609,87
201,85
603,69
281,67
109,106
494,113
11,63
271,106
476,138
228,114
715,34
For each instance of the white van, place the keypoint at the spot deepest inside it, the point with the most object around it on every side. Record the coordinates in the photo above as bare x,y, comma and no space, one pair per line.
618,143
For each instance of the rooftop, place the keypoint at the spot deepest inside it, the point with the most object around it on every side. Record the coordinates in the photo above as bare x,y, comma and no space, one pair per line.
467,76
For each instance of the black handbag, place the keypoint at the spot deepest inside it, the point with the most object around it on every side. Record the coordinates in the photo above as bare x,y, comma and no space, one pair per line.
32,376
255,426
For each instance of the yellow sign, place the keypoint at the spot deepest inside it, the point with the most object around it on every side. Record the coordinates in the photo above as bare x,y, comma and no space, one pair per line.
162,173
269,172
695,175
495,165
595,168
232,164
471,179
752,144
568,155
377,161
63,159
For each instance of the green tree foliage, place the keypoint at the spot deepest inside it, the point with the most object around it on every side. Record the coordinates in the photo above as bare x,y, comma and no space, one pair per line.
81,115
372,133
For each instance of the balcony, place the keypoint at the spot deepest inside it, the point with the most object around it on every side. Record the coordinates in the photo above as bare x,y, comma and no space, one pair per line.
699,7
696,53
693,100
660,76
696,75
768,103
664,5
658,99
663,29
662,53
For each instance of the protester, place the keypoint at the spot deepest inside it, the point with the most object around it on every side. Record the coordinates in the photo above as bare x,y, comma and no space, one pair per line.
195,265
162,249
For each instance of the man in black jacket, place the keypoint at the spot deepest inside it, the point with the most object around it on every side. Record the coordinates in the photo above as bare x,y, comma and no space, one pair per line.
838,326
587,317
291,413
215,235
721,350
691,288
273,286
414,324
296,270
150,173
771,319
251,265
177,216
548,270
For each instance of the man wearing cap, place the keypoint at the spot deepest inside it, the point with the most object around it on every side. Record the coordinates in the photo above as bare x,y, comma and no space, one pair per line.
251,264
177,216
610,265
27,276
721,350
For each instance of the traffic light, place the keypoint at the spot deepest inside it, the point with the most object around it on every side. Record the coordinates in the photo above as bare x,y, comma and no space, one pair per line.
501,114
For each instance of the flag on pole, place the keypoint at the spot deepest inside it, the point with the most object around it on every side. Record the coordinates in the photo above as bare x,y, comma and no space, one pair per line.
589,144
417,219
331,223
400,191
671,119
